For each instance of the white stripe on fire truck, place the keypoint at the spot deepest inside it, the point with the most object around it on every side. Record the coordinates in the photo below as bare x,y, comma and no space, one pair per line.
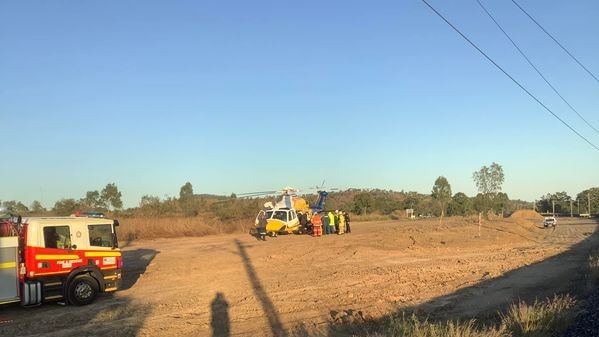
102,254
56,257
8,265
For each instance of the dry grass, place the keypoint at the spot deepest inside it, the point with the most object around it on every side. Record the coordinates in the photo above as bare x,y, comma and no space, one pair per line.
593,264
591,274
371,217
413,327
169,227
541,318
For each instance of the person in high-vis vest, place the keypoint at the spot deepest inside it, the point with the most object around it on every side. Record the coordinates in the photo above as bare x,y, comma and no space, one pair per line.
316,225
341,223
331,222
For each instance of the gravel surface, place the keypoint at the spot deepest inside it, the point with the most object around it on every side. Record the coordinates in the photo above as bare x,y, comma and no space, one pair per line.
586,323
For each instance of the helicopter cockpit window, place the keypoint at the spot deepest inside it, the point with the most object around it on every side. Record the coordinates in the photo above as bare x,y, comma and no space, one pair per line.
269,214
280,215
292,215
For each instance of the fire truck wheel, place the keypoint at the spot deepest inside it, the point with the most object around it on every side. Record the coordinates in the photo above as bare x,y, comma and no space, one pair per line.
83,290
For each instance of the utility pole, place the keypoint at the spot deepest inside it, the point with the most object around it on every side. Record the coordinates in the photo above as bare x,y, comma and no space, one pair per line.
553,203
571,213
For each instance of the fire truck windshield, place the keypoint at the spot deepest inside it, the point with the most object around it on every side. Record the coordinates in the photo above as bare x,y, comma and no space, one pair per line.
100,235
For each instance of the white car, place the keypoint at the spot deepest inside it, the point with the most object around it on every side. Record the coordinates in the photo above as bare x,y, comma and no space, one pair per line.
549,222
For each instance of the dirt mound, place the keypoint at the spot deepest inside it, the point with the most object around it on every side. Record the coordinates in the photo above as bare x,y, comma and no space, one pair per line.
526,214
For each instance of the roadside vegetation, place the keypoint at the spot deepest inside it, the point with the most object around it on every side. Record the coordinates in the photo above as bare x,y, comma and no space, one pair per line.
542,318
193,214
546,318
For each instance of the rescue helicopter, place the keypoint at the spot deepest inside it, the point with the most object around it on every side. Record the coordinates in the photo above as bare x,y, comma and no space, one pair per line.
283,217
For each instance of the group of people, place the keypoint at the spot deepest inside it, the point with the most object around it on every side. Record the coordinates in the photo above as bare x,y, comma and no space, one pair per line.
317,224
324,223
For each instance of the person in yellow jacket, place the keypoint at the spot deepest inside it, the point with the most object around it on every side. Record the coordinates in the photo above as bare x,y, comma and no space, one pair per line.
331,222
341,223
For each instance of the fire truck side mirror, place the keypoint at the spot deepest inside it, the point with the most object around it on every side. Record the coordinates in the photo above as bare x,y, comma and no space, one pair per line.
115,243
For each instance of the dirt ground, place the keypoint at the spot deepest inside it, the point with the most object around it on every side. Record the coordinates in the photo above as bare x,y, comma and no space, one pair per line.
297,285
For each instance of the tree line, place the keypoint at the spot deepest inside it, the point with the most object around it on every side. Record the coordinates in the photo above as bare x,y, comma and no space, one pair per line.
585,202
440,202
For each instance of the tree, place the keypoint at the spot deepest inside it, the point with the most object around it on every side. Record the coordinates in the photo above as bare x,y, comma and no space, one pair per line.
442,194
186,191
363,203
151,206
66,207
187,200
501,203
385,204
15,207
583,198
111,197
460,204
561,201
92,200
488,180
479,203
37,208
411,200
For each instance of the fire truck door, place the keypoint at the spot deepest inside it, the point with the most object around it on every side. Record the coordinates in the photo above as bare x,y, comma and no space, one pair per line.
9,278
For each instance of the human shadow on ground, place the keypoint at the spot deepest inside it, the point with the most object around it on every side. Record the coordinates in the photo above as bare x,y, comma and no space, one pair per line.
520,284
219,320
268,307
135,264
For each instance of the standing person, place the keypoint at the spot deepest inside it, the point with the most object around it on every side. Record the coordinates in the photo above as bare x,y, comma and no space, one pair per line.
332,222
262,226
347,226
303,220
325,223
336,221
341,223
316,225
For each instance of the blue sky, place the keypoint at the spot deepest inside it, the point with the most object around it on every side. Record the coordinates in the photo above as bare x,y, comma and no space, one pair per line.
241,96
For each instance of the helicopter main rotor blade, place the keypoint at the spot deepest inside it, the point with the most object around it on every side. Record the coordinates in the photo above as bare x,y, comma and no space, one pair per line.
256,193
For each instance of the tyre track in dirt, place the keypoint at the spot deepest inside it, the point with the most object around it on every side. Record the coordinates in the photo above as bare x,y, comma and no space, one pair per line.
301,281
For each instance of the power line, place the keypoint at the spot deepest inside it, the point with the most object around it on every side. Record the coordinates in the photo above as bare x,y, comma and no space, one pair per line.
535,68
556,41
509,76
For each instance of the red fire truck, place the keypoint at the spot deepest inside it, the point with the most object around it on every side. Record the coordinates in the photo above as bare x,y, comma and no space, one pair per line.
69,259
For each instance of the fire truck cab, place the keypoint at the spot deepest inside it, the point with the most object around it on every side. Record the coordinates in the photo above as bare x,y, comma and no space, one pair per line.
69,259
